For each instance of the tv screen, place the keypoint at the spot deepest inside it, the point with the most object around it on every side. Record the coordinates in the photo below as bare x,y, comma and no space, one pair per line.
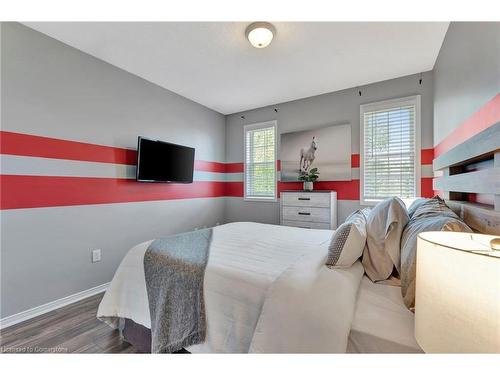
159,161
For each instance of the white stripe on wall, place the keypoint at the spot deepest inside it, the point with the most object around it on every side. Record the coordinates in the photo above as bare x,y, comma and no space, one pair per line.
426,170
234,177
35,166
209,176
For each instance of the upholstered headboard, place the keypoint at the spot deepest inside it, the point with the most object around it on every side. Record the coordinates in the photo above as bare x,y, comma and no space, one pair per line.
468,177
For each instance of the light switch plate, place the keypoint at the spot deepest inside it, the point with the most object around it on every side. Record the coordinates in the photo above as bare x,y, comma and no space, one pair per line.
96,255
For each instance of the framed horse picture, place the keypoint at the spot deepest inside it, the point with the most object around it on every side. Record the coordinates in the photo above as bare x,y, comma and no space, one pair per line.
326,148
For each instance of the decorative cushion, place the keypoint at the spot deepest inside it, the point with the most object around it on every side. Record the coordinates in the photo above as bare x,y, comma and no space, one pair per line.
346,245
431,215
384,227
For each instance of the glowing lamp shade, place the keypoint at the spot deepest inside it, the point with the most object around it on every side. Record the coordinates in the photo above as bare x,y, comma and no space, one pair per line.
457,300
260,34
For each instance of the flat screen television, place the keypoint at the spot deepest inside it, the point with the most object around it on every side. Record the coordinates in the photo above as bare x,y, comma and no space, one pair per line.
159,161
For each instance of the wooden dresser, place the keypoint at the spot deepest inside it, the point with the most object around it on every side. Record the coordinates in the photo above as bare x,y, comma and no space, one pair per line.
309,209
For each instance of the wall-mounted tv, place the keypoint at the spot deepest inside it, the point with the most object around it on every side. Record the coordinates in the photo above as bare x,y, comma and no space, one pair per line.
159,161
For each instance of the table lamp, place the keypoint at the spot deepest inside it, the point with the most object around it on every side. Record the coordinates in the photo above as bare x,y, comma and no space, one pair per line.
457,300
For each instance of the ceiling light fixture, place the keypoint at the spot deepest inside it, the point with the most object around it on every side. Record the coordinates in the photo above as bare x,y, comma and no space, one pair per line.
260,34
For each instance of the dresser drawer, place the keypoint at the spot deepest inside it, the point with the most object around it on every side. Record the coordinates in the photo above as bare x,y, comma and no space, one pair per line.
311,214
306,199
306,224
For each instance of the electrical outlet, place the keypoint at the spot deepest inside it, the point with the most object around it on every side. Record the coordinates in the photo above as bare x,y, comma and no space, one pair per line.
96,255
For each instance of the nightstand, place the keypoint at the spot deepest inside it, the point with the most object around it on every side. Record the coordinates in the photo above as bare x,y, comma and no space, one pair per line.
309,209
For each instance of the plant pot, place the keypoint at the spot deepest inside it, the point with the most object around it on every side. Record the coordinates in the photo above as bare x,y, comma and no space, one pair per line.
308,185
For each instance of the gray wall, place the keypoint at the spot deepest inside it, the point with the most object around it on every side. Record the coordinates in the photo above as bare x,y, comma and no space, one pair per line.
328,109
466,74
51,89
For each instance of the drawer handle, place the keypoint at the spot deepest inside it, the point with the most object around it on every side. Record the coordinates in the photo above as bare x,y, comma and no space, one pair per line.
304,199
304,213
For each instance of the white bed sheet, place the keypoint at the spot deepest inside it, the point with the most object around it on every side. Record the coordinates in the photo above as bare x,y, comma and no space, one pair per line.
382,323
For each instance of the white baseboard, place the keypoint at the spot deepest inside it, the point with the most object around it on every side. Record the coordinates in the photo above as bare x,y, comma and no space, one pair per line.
39,310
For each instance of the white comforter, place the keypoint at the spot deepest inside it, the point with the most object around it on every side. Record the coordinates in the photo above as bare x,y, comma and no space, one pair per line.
266,290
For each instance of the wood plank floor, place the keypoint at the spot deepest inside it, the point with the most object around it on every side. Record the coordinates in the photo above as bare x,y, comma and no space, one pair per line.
71,329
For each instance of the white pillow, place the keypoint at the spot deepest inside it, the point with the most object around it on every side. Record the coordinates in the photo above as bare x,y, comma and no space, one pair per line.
348,241
384,225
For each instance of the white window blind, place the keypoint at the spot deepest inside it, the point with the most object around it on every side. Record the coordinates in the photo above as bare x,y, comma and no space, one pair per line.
390,149
260,161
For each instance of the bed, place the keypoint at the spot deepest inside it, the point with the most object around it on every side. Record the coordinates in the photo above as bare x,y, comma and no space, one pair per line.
260,280
363,317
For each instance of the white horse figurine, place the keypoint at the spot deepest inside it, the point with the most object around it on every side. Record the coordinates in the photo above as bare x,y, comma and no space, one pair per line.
307,156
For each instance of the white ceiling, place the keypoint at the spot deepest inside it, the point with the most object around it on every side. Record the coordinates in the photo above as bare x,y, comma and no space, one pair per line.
213,63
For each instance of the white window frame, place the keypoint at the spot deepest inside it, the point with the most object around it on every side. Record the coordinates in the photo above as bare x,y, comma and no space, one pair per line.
249,127
378,106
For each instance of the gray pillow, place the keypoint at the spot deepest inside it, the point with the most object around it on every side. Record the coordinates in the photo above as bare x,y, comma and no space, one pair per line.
416,204
433,207
431,215
348,241
385,224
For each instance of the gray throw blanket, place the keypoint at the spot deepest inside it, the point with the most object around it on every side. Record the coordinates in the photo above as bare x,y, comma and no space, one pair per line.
174,269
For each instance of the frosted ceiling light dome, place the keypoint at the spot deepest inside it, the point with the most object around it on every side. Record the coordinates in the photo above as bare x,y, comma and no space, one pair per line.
260,34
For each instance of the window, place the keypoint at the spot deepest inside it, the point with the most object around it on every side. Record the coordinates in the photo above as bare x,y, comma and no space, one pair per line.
390,149
260,161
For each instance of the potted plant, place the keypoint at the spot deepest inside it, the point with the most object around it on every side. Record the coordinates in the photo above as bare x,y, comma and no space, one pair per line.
309,178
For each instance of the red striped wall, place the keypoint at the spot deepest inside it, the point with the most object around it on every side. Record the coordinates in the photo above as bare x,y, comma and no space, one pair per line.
20,191
346,190
50,191
45,147
209,166
488,115
427,156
